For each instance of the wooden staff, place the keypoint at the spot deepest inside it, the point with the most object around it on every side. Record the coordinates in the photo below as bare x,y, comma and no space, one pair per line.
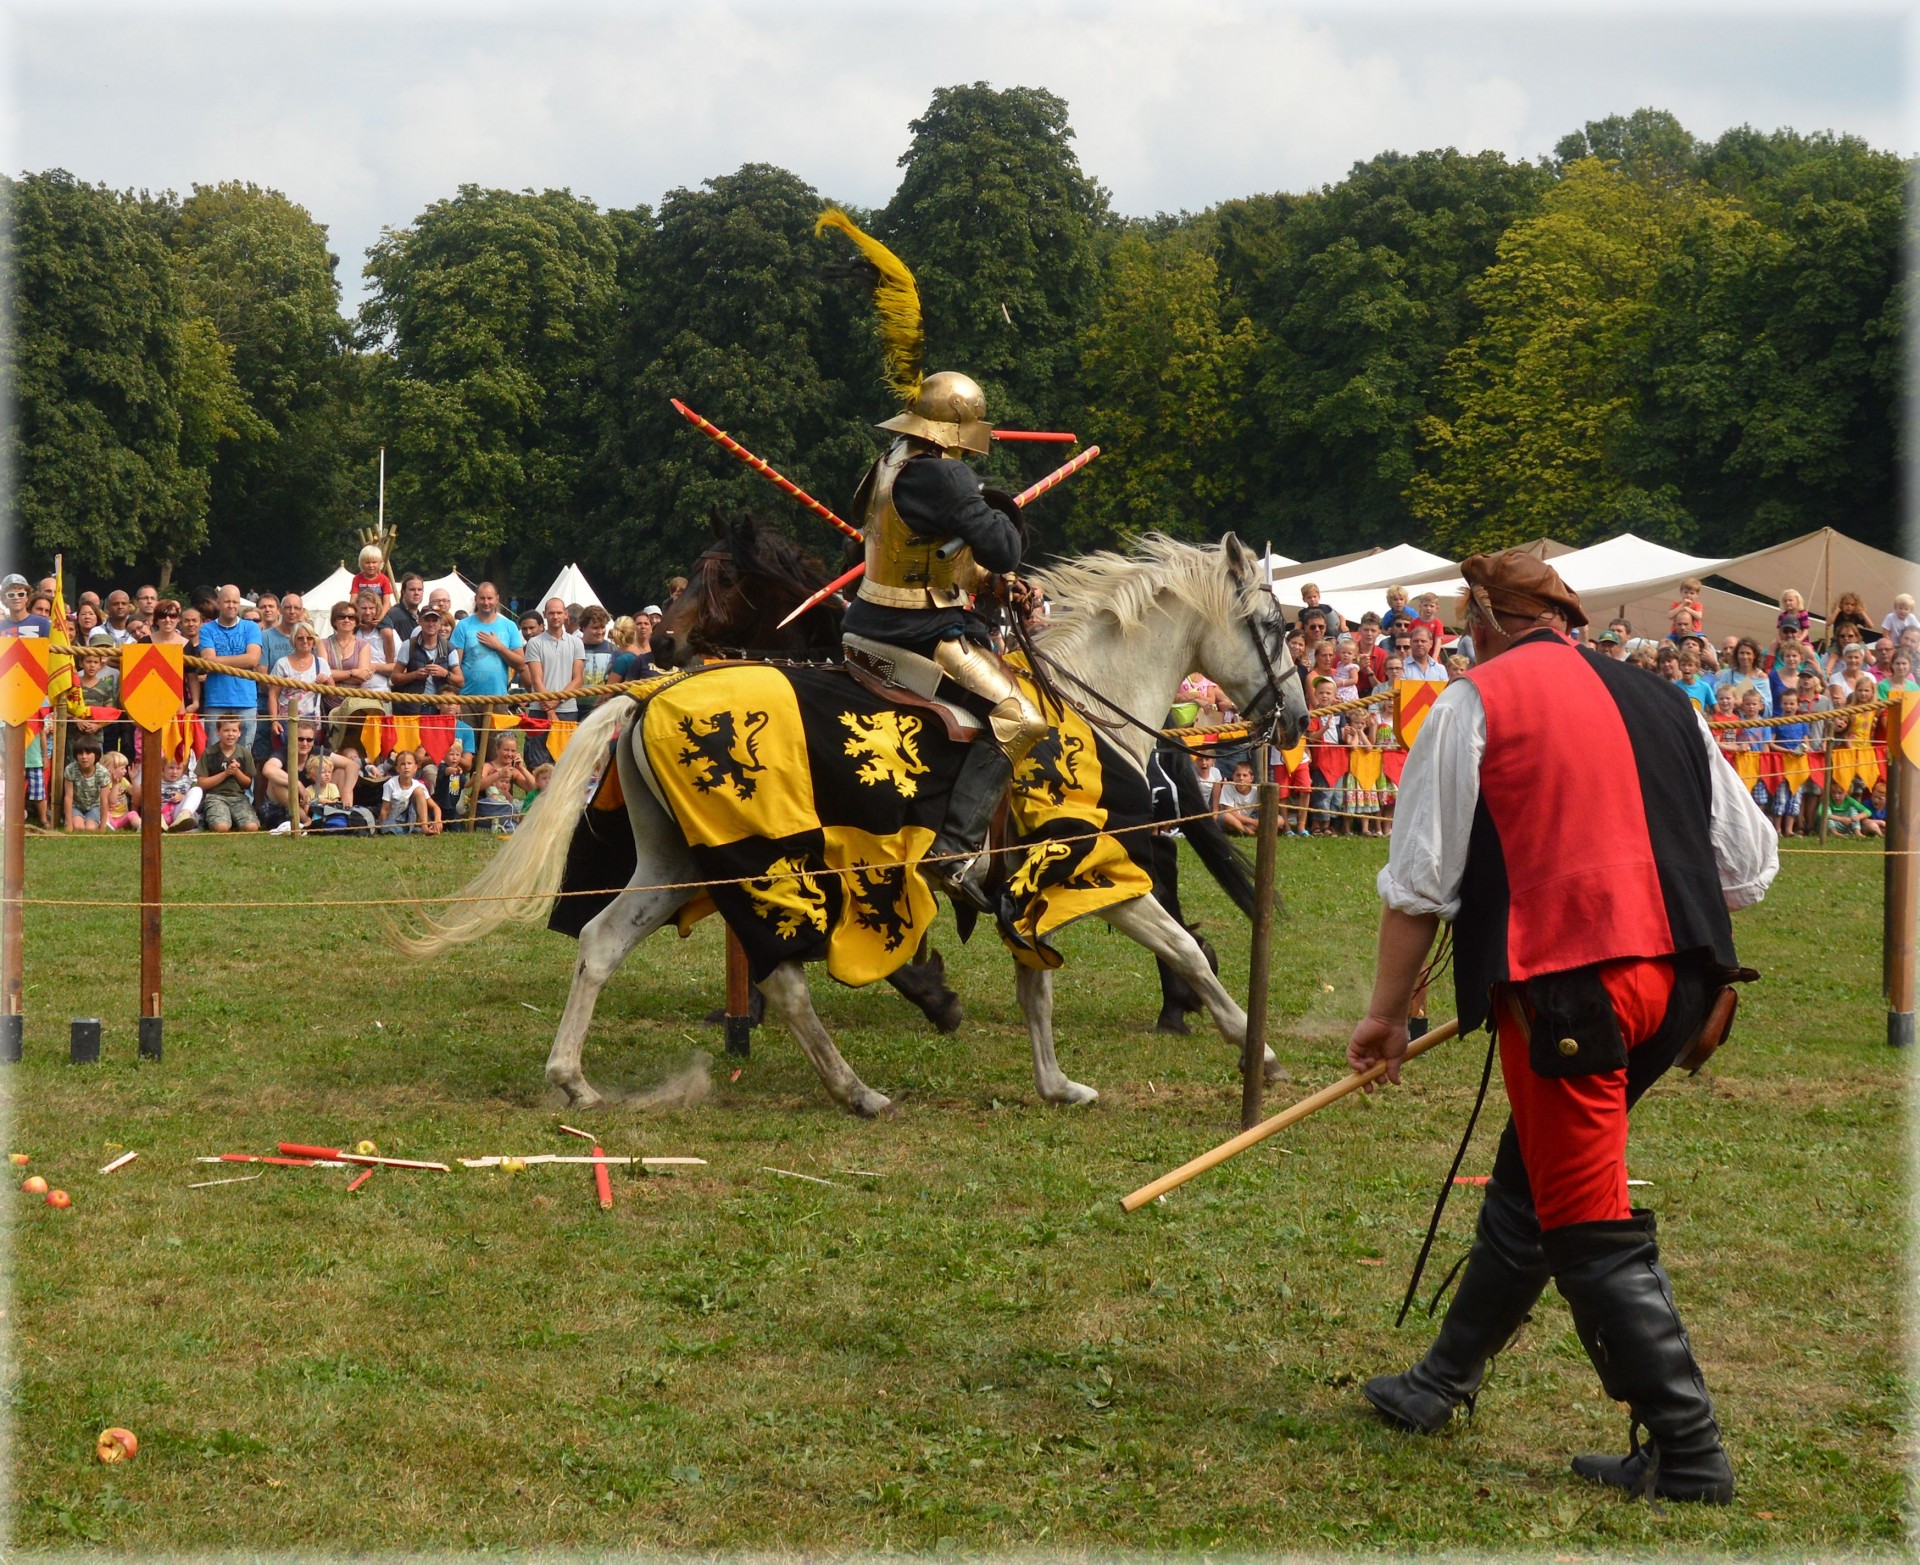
152,1024
1279,1122
13,881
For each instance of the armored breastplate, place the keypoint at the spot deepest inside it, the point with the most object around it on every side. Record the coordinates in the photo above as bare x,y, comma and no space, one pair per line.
904,569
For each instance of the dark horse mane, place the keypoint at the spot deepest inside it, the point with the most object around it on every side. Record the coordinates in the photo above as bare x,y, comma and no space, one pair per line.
738,592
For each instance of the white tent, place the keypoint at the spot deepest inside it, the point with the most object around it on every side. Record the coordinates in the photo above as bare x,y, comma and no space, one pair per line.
570,586
458,592
337,588
1822,565
1344,587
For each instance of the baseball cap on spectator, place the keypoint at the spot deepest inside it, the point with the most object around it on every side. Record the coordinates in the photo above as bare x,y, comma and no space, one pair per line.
1790,620
15,580
428,611
1609,638
653,608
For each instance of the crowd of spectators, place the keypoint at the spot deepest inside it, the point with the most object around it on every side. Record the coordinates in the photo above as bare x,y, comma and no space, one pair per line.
352,768
387,636
1334,788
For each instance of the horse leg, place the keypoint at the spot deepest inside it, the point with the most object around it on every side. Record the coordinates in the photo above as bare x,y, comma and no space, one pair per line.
1035,987
786,991
1144,920
923,981
605,943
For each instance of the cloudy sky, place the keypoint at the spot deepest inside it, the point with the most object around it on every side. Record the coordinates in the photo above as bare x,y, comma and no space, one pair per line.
365,116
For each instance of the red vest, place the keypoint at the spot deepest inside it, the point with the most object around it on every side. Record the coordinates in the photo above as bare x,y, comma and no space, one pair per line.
1592,837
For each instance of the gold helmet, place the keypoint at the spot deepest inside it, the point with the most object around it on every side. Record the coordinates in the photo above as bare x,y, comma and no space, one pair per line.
949,409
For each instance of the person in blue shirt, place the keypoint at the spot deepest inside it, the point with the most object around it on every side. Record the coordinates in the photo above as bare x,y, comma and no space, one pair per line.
17,621
1789,739
1700,690
489,644
228,638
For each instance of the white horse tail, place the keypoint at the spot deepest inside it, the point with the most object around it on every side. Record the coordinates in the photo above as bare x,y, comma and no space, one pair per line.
520,880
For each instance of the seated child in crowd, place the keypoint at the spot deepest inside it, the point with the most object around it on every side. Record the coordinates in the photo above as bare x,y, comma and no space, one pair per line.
405,804
116,800
179,797
1237,802
83,785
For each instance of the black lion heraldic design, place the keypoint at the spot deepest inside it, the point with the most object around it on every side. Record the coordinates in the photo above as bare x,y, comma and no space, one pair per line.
877,895
1053,764
714,751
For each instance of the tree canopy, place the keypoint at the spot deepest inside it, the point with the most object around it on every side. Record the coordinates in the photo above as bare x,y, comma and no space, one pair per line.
1698,340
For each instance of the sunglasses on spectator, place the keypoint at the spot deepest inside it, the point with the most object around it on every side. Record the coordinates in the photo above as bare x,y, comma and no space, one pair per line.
167,614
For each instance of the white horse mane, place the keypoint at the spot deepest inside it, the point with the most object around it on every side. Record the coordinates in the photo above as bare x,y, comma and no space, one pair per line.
1129,587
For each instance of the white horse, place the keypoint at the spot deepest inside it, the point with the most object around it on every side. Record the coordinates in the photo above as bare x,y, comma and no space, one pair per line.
1133,627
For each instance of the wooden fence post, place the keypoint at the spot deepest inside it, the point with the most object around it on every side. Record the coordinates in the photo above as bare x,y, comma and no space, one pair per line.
739,1022
1902,904
152,1025
13,879
1253,1054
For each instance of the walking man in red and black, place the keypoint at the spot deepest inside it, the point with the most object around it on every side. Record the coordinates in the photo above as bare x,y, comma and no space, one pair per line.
1573,820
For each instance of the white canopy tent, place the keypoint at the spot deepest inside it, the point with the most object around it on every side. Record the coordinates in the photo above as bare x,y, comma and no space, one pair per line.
570,587
457,588
337,588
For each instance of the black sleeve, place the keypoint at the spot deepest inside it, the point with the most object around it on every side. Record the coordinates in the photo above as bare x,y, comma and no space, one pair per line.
940,498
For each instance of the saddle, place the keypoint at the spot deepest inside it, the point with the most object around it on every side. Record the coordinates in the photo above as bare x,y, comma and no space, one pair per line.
904,678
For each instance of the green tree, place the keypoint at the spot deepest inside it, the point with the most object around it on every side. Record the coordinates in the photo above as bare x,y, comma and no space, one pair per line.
257,267
1358,292
488,314
120,400
1544,436
726,304
1000,226
1161,373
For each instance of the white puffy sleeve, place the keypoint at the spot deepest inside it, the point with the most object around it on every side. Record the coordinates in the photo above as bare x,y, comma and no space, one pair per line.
1433,817
1745,845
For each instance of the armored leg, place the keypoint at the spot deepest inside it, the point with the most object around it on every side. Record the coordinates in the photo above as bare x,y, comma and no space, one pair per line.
1016,724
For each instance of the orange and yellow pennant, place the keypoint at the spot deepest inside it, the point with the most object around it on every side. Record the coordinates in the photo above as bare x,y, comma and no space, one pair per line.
503,719
23,678
61,685
1412,700
151,681
404,730
559,736
1796,770
1364,768
373,736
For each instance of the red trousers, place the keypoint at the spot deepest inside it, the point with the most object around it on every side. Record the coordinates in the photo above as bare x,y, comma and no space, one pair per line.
1572,1130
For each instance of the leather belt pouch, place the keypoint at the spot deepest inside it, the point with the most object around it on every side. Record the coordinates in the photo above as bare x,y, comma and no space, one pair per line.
1573,1031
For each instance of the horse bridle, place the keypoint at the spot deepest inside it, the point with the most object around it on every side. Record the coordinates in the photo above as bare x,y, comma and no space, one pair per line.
1259,730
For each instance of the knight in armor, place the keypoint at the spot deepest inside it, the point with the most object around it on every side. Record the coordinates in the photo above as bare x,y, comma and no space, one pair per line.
934,536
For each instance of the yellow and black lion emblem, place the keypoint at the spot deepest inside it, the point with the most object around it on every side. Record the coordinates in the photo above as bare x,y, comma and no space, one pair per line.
886,744
1053,765
717,756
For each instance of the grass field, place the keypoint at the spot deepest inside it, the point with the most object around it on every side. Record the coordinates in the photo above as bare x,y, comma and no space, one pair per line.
973,1351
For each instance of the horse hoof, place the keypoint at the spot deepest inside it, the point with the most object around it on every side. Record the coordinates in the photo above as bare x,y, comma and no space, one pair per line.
1074,1094
869,1104
1273,1071
949,1016
1173,1020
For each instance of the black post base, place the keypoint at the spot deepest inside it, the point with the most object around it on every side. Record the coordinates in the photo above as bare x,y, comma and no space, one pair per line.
13,1031
739,1035
83,1041
1899,1030
151,1027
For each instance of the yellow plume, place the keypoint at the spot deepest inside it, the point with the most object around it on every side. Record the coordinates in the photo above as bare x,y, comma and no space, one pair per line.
896,297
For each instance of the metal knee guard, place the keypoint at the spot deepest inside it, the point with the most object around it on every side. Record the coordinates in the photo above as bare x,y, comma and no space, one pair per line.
1015,721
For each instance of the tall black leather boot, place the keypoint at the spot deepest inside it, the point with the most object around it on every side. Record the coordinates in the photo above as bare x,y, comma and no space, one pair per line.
1623,1309
971,805
1505,1273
